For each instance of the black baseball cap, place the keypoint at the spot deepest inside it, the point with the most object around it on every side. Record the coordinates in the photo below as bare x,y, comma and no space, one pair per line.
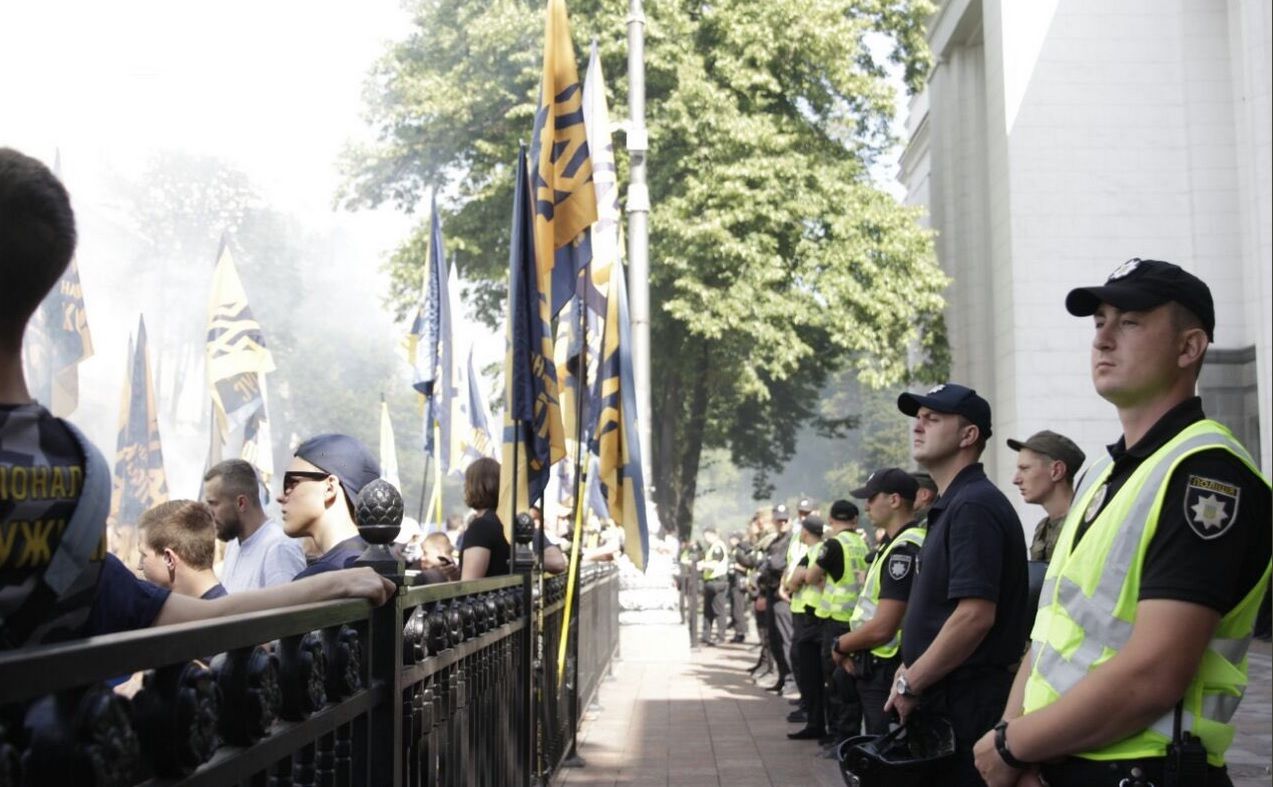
890,481
814,524
1057,446
780,512
843,511
1139,285
344,457
950,398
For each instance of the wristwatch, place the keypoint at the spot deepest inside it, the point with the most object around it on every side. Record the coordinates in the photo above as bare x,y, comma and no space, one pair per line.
1001,746
903,687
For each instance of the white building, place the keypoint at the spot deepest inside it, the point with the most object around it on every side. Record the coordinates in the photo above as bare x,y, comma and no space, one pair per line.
1055,140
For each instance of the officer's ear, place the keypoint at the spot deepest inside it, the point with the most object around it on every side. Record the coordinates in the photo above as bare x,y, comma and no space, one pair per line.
1057,470
971,434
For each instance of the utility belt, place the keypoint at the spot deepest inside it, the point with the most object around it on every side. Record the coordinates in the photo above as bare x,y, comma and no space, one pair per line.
866,663
1147,772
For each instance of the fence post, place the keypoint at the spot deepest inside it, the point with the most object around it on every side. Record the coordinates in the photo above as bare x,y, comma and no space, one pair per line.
572,759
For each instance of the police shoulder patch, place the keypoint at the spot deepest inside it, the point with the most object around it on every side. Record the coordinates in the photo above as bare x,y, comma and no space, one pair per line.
899,566
1211,506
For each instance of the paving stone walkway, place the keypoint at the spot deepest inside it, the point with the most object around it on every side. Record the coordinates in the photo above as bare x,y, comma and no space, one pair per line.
684,718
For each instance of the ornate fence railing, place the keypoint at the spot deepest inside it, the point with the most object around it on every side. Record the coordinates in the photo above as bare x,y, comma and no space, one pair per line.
437,687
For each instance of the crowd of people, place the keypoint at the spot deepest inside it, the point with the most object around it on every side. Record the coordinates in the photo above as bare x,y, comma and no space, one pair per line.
1110,650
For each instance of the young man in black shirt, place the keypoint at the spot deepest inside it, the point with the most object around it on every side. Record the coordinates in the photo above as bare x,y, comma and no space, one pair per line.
317,500
965,623
1169,535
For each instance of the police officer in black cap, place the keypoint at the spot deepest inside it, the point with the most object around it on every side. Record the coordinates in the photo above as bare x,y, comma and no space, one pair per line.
967,614
1139,655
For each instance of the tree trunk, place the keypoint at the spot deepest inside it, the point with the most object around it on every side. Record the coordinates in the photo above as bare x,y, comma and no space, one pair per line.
691,447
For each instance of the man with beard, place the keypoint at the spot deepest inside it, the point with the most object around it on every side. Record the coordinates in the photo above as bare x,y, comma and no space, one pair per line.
258,553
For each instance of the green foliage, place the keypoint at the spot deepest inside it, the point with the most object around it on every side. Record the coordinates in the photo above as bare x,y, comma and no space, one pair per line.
775,261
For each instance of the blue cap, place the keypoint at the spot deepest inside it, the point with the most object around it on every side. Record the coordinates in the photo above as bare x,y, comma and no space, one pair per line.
950,398
344,457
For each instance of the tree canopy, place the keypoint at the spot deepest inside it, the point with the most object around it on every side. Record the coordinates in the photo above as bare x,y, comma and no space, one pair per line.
775,260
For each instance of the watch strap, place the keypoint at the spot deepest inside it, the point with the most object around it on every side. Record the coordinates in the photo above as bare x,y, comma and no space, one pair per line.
1001,746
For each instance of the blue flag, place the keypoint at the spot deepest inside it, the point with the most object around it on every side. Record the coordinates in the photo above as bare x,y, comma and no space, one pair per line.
429,344
532,437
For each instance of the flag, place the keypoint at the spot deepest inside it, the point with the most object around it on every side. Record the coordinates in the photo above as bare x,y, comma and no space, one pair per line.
616,440
565,205
237,361
58,340
532,438
139,480
470,419
429,345
388,449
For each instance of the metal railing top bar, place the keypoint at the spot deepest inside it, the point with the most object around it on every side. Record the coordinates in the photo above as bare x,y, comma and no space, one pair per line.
231,764
30,672
426,594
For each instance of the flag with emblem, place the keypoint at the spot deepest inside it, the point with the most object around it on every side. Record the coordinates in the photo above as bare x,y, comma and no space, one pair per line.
532,433
237,360
470,420
58,340
616,442
429,346
139,480
565,204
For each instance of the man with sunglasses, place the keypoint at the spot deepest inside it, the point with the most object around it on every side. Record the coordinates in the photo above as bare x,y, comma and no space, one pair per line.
57,581
319,488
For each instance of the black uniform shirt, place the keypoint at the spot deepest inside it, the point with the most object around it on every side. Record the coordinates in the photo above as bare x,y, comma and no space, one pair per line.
975,548
897,575
831,558
1213,557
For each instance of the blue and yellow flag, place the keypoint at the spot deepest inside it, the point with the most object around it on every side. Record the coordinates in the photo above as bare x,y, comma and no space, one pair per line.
139,480
616,441
429,347
565,204
237,361
532,418
58,340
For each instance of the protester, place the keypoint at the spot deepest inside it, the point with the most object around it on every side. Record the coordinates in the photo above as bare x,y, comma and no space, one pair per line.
486,551
80,589
258,553
966,616
319,489
1138,660
870,652
177,542
1045,474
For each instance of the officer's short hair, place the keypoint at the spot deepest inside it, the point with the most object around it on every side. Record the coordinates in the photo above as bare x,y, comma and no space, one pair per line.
37,239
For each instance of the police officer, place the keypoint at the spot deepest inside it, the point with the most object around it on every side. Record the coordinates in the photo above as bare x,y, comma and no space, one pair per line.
965,622
1046,466
870,652
715,568
777,603
840,567
740,564
807,634
1138,660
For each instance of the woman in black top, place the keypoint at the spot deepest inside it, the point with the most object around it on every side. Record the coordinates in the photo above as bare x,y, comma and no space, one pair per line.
486,551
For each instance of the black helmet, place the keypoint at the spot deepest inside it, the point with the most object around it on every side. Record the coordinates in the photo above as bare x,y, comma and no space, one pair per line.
913,755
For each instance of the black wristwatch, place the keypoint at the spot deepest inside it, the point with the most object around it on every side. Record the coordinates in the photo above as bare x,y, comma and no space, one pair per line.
1001,746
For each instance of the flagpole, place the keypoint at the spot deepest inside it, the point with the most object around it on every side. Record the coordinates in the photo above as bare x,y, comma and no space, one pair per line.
638,227
580,477
437,470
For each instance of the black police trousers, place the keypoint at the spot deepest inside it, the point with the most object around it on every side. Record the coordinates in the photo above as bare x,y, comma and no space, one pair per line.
806,661
715,608
1078,772
973,699
844,709
874,679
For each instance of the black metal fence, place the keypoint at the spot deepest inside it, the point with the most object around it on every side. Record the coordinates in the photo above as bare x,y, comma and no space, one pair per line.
437,687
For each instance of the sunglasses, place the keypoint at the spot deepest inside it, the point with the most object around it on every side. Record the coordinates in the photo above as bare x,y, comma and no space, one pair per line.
293,477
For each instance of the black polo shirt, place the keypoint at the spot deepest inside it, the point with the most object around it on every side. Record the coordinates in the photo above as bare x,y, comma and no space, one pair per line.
1187,560
975,548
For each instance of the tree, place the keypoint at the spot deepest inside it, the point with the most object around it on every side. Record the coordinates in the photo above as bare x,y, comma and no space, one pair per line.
774,260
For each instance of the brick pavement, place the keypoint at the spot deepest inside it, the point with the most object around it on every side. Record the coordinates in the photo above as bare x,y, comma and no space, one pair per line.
672,716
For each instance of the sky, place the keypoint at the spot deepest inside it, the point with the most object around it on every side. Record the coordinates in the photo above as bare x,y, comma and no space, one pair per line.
274,89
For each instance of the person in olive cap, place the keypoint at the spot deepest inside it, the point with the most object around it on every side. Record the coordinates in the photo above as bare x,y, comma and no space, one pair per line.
319,489
966,618
777,604
1138,674
1046,466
